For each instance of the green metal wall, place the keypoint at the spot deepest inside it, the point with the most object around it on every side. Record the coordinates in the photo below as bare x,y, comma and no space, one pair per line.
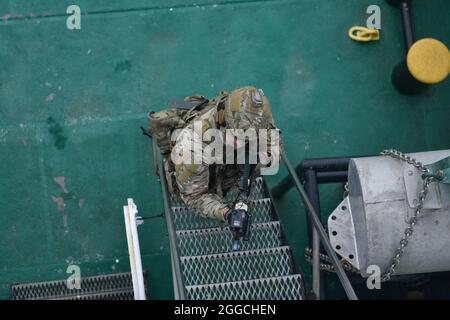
71,103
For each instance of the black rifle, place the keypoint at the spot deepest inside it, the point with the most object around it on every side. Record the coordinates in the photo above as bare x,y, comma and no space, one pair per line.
240,217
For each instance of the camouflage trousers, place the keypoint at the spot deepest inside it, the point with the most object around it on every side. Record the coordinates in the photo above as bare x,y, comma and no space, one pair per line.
218,189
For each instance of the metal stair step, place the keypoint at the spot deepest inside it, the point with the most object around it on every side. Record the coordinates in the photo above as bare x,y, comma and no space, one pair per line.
117,286
218,240
188,220
235,266
113,295
274,288
258,191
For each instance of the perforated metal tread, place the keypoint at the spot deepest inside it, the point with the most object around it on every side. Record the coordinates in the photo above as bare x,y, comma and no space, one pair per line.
115,295
258,191
111,287
274,288
188,220
234,266
218,240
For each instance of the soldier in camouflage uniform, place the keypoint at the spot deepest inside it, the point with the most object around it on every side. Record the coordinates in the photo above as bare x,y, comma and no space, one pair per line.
203,185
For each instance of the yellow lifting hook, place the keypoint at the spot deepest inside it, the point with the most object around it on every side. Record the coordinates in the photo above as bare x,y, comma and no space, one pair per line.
364,34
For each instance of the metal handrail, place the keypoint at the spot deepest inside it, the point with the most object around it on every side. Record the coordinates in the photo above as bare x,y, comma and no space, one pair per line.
320,230
177,276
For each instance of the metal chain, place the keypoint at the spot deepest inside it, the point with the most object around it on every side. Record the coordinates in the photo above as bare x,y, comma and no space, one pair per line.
327,264
401,156
417,210
346,190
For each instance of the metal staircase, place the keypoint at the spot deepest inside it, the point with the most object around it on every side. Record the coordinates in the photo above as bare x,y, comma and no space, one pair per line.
205,267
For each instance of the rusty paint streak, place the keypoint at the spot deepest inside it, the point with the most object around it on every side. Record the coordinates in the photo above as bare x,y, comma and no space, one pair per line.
59,201
61,181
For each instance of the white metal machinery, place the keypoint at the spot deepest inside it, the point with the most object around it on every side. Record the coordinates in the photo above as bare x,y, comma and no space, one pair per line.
367,226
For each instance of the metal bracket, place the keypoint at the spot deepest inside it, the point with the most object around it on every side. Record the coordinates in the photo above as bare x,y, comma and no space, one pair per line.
342,233
440,170
439,193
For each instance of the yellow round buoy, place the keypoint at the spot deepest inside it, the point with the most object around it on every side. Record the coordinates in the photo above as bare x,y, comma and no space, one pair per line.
428,61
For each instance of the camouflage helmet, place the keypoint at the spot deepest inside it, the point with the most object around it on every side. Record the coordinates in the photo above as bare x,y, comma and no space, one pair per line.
246,108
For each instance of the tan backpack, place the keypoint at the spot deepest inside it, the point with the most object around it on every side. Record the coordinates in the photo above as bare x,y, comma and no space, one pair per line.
180,113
